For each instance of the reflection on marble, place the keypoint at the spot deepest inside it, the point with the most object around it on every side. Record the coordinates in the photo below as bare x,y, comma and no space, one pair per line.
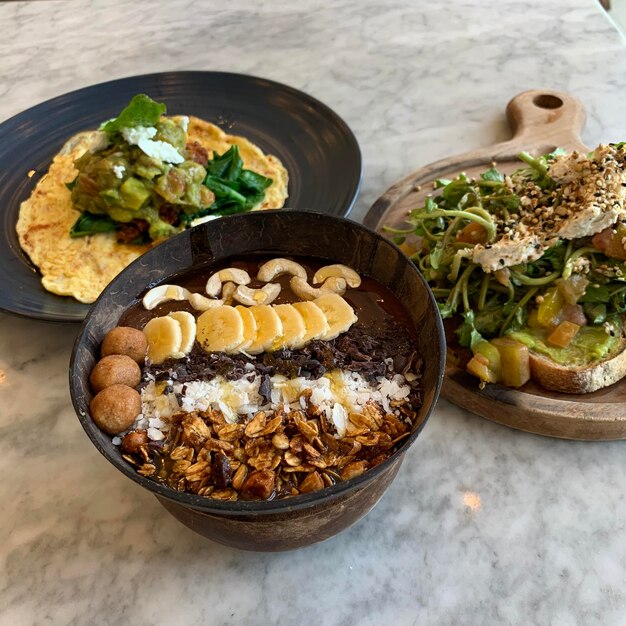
483,525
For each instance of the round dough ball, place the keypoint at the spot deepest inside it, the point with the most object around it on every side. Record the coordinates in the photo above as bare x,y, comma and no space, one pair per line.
125,340
115,369
115,408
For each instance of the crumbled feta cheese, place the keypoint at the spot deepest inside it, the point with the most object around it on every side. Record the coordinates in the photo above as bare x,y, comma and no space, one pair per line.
184,122
119,170
142,136
202,220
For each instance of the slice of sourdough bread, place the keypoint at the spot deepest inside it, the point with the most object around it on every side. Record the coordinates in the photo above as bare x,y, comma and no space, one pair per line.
578,379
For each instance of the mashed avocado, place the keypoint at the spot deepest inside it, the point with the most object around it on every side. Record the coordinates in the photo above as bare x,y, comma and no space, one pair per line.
591,344
149,178
125,184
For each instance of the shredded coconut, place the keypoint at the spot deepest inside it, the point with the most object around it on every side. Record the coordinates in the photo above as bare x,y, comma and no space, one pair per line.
338,393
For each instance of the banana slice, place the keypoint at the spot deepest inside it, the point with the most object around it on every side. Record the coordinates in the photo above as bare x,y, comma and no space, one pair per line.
314,320
339,314
249,328
164,337
188,328
268,327
294,328
220,329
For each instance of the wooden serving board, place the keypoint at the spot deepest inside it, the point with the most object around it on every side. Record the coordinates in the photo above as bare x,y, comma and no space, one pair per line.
541,120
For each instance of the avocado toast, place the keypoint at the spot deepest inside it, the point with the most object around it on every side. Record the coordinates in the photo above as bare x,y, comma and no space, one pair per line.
530,268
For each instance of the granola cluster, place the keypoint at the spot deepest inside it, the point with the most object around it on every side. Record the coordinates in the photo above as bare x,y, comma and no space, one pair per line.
275,454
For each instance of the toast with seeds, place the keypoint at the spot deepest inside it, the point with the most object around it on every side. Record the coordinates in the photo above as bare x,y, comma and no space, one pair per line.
578,379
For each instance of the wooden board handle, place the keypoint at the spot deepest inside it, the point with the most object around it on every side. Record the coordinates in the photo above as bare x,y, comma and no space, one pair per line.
546,120
540,119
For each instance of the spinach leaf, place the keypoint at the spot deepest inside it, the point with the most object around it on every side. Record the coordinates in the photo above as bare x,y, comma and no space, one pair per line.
236,189
467,333
489,321
596,293
493,174
90,224
595,312
227,166
72,184
253,181
142,111
222,189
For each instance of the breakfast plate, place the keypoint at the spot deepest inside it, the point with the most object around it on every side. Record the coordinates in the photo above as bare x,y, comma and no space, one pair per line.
541,120
310,139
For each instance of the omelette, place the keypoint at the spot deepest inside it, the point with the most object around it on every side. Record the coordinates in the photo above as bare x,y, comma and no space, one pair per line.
81,266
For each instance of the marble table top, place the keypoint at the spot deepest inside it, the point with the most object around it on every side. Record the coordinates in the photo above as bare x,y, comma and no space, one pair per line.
483,525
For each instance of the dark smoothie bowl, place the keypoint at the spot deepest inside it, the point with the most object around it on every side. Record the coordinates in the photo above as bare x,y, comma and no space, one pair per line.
262,374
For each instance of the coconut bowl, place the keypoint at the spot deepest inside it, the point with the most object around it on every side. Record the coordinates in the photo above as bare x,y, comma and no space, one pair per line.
297,521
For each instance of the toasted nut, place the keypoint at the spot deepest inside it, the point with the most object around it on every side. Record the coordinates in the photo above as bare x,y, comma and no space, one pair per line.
353,469
256,425
163,293
270,270
313,482
340,271
259,484
303,290
292,459
202,303
265,295
132,443
240,476
147,469
280,441
234,274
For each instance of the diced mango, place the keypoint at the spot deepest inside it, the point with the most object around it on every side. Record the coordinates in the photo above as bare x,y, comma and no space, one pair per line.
533,319
478,366
549,309
515,361
490,352
472,233
563,334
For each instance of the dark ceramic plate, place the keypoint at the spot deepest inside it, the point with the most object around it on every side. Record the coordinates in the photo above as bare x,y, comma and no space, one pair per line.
316,146
303,519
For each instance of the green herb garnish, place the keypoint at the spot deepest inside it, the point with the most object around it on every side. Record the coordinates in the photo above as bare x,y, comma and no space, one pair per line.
142,111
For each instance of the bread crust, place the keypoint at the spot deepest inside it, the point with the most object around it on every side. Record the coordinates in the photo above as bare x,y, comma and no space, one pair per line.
586,379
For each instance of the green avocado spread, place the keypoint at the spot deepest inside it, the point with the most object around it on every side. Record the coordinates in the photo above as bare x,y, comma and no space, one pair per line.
591,344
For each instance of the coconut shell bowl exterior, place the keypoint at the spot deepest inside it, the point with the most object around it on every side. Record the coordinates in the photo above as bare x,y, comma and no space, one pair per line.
288,523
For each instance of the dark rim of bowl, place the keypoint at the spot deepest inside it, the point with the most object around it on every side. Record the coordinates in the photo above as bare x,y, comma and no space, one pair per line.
281,505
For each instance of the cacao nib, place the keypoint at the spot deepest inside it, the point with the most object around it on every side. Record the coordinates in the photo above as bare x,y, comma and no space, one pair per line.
362,350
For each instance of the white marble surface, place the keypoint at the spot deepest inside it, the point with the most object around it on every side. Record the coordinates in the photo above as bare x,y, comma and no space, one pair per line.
484,525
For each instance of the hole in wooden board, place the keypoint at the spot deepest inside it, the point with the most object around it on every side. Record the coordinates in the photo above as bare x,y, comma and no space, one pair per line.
546,101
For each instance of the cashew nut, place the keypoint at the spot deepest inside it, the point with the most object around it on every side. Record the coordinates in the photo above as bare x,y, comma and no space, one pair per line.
343,271
270,270
214,284
163,293
202,303
228,289
265,295
333,284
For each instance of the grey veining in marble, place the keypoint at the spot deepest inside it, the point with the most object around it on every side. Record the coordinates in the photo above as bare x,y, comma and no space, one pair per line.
484,525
